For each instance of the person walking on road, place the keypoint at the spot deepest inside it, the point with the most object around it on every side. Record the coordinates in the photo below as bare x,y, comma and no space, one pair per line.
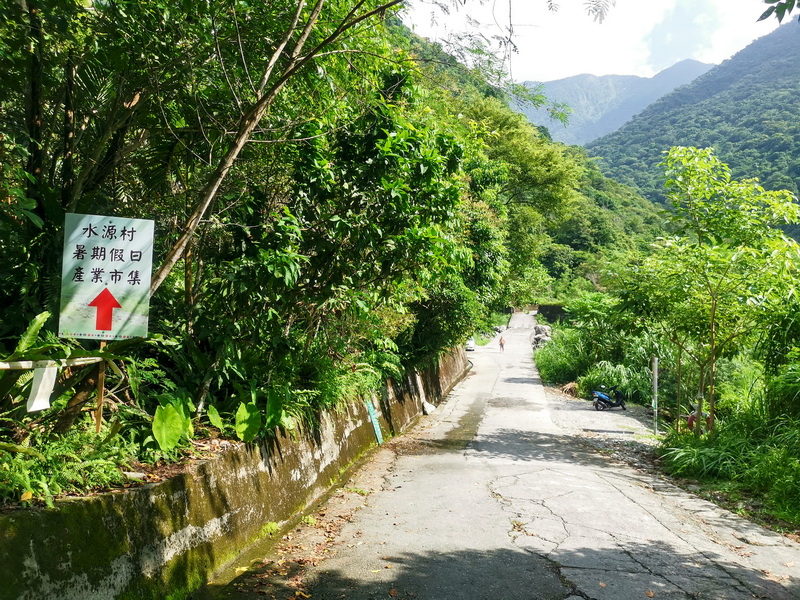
502,343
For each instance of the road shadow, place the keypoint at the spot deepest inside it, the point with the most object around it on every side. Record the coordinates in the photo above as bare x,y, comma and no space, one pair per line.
632,570
517,445
525,446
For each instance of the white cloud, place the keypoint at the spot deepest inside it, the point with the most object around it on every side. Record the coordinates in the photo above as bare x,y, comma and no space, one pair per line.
637,38
736,28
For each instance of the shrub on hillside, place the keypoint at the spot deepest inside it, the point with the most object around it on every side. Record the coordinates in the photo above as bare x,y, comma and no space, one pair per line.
564,358
632,382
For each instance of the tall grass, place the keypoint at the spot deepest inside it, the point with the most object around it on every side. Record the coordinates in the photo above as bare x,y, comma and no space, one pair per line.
634,383
741,387
564,358
760,456
784,391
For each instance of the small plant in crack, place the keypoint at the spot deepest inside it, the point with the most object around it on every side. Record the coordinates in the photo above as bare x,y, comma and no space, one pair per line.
518,525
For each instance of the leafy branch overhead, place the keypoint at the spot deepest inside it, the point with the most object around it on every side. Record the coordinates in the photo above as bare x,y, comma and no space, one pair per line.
778,8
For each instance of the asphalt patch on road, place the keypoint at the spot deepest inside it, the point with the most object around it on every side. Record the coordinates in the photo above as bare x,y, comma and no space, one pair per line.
511,403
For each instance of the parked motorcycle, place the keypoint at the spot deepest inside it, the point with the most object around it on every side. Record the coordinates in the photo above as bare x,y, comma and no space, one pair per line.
603,400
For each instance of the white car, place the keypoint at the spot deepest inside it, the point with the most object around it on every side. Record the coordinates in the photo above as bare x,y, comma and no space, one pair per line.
471,344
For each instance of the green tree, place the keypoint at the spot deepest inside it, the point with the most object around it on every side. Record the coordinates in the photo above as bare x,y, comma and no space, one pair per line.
706,286
540,173
528,280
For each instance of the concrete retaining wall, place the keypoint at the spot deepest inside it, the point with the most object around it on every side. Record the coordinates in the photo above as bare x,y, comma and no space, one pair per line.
164,540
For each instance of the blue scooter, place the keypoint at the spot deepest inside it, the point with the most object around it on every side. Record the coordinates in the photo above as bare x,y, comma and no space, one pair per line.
602,400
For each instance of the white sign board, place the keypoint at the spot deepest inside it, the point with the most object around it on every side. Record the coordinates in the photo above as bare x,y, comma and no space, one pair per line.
105,277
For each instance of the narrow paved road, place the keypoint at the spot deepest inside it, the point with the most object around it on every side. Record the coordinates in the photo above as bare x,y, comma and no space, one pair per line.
489,499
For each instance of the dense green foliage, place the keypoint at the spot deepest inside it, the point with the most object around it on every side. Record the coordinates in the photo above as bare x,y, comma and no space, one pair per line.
749,456
744,108
335,202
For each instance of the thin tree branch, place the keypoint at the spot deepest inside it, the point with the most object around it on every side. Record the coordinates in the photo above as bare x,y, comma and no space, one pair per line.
253,116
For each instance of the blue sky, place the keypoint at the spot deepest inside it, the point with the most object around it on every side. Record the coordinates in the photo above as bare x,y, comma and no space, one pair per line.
637,38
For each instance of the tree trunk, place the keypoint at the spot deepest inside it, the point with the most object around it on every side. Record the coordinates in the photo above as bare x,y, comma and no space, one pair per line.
188,285
83,393
712,365
698,411
679,390
34,107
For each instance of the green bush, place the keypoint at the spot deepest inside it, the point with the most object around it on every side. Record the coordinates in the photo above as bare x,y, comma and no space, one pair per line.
761,457
740,386
783,394
634,383
605,325
343,381
688,456
564,358
445,318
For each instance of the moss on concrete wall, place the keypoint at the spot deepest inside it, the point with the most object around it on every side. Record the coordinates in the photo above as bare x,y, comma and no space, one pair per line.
164,540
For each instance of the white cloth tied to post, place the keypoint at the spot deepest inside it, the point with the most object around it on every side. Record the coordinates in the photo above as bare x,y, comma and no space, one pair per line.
44,379
45,373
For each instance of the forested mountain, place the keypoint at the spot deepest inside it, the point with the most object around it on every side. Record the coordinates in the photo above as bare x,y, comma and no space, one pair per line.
602,104
746,109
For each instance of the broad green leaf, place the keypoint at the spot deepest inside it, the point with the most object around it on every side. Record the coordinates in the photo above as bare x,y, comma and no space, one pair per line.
276,416
33,217
17,449
168,427
214,418
248,421
30,335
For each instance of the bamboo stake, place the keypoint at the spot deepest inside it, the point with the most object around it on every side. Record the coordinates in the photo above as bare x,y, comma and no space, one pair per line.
655,395
101,386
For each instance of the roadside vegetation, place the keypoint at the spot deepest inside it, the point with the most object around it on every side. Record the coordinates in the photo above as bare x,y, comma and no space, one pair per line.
716,302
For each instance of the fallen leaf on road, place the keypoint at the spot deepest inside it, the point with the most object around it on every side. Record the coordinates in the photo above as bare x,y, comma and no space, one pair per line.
393,593
601,584
650,594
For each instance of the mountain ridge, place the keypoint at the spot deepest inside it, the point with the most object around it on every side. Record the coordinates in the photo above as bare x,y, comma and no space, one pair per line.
602,103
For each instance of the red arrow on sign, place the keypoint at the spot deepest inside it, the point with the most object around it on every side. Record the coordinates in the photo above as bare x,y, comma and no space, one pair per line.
105,303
